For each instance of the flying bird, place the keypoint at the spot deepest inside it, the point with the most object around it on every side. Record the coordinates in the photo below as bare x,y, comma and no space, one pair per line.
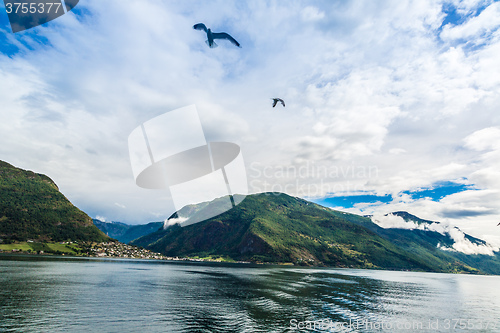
215,35
276,100
498,224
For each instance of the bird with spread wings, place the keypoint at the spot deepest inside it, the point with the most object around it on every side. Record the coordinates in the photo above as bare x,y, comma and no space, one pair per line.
276,100
211,36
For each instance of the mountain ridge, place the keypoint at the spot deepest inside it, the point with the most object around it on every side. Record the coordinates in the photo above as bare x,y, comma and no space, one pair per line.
125,233
275,227
33,208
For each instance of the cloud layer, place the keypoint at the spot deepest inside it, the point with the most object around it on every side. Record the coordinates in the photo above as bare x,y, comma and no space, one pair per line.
460,242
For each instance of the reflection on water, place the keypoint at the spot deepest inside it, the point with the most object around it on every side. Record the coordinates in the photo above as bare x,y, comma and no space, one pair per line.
89,295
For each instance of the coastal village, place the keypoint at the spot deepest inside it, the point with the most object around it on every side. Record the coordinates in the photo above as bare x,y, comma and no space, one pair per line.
121,250
103,250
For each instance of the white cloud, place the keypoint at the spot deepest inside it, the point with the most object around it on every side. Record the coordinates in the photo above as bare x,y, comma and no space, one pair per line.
101,218
486,138
486,22
170,222
460,242
311,13
464,245
388,221
397,151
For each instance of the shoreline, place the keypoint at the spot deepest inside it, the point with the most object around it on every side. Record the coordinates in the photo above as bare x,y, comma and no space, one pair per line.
206,262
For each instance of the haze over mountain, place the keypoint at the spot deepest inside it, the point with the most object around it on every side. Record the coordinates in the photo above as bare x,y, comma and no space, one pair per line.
32,208
275,227
125,232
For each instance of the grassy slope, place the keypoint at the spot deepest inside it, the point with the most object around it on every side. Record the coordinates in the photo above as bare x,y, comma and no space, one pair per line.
31,207
46,247
424,244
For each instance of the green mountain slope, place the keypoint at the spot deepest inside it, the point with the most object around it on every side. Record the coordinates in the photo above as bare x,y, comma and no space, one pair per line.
423,244
112,229
272,227
428,243
31,207
126,232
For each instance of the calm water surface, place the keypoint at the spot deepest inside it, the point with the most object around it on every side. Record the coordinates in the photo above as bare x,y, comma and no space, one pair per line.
91,295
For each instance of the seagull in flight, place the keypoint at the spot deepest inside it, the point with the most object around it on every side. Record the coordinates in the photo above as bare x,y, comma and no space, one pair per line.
498,224
215,35
276,100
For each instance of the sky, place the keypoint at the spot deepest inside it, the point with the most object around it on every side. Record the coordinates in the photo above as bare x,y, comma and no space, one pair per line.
390,105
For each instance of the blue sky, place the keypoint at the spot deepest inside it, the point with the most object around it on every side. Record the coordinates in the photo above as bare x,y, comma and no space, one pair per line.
390,105
456,15
435,192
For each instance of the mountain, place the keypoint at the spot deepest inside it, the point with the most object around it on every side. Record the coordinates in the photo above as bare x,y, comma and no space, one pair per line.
407,217
112,229
275,227
438,242
438,227
126,232
32,208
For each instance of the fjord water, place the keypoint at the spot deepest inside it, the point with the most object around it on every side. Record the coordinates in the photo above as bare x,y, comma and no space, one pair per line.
91,295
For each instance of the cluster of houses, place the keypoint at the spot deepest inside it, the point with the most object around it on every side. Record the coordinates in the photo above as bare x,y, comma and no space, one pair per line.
121,250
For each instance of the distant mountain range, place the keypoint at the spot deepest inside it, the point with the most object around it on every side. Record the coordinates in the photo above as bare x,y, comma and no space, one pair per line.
275,227
126,232
32,208
438,242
